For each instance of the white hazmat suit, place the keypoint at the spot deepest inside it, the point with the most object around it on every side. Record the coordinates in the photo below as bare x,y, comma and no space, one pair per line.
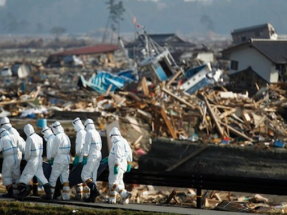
49,138
80,140
79,144
60,154
5,123
92,158
33,156
11,161
119,158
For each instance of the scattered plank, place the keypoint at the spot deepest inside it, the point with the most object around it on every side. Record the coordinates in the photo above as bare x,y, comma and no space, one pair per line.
214,117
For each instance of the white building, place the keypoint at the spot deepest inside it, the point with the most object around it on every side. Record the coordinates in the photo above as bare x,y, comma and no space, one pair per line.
258,61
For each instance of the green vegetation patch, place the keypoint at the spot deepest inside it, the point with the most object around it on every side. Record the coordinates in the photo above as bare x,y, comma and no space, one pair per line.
28,208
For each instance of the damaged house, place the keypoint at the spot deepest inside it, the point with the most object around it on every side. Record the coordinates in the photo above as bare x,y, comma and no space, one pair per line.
97,54
263,31
257,62
175,44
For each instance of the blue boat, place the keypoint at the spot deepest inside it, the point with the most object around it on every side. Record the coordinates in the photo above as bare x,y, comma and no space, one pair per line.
196,78
158,67
101,81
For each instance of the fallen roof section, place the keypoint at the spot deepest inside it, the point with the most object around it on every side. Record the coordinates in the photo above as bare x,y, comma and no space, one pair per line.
96,49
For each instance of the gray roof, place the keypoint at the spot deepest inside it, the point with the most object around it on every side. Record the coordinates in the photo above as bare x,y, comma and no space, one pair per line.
275,50
161,37
251,28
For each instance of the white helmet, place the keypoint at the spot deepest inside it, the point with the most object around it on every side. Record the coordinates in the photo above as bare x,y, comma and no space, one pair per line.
29,129
115,132
56,124
57,128
5,120
45,129
89,121
75,120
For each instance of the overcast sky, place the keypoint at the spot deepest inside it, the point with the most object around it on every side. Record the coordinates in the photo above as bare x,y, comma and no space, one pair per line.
158,16
2,2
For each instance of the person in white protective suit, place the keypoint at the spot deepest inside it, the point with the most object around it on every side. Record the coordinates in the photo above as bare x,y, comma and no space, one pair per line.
80,140
11,161
60,159
49,138
92,158
33,156
119,160
5,123
79,144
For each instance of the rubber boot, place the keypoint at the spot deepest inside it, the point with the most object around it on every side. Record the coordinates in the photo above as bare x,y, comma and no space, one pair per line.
93,192
9,193
35,186
57,193
24,191
48,195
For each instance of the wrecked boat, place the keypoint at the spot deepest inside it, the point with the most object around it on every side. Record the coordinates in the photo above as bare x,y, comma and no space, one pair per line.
104,81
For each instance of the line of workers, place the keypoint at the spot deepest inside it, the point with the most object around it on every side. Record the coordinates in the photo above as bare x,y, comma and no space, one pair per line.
88,146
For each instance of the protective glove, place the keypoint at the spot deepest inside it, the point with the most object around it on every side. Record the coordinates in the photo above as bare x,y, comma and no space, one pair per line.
51,161
129,167
85,159
76,160
105,160
116,169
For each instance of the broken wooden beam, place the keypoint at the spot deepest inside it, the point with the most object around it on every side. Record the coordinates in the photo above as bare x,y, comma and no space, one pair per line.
186,158
132,95
171,196
182,100
214,117
144,86
17,101
180,72
238,133
168,124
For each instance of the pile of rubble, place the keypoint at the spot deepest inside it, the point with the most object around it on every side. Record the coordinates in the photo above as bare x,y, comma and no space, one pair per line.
212,115
146,109
212,200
